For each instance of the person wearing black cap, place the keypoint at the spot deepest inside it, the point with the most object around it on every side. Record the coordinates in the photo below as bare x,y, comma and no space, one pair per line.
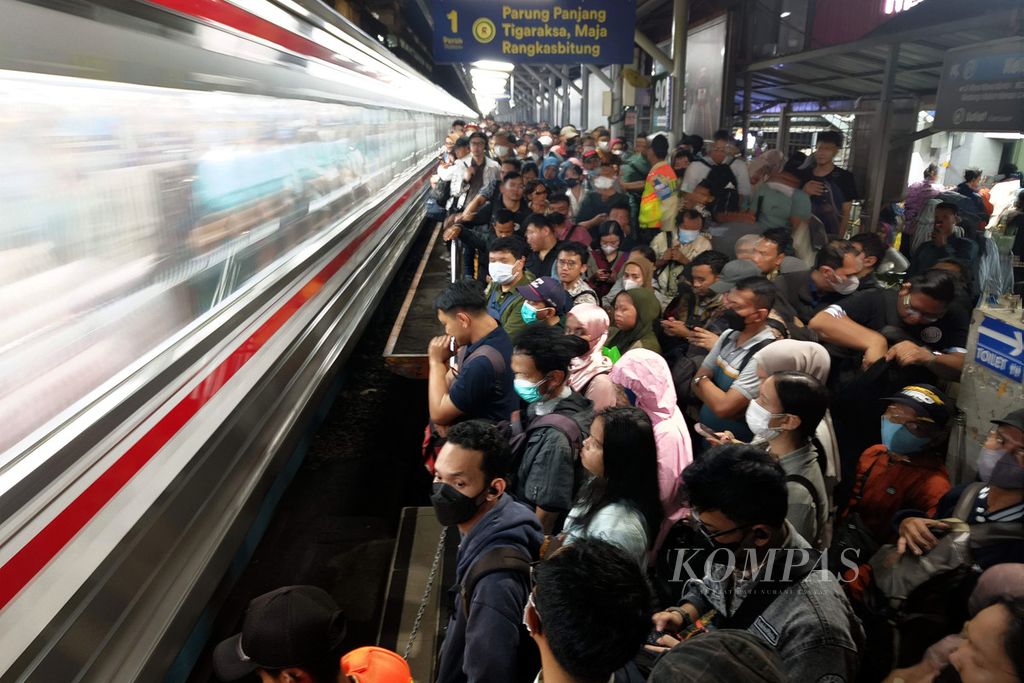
544,301
906,470
290,635
998,497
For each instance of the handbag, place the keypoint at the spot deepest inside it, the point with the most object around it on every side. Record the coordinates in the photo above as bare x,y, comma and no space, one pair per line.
850,533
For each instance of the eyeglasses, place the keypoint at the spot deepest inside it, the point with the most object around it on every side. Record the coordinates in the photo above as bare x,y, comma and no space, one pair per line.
562,263
711,535
1005,444
914,420
913,312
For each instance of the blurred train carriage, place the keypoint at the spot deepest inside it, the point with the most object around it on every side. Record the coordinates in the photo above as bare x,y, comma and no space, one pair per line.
200,209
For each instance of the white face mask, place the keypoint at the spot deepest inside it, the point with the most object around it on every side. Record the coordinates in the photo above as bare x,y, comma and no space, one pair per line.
544,140
758,418
500,273
847,285
602,145
501,150
630,284
609,249
687,236
604,183
617,152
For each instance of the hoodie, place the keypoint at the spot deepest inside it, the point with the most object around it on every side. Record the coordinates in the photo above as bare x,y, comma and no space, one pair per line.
482,647
647,375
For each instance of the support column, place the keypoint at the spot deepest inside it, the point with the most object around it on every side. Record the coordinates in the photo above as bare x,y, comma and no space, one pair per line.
747,83
616,118
680,24
783,137
552,106
880,147
584,97
566,111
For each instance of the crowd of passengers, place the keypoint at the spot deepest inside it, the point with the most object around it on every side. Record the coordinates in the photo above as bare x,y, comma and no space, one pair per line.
688,427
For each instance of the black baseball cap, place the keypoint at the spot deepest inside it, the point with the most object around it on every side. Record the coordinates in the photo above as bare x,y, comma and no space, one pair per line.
291,626
1014,419
549,291
926,400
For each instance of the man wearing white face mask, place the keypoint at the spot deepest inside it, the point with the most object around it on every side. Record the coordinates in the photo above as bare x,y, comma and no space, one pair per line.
834,277
507,271
595,205
783,418
676,249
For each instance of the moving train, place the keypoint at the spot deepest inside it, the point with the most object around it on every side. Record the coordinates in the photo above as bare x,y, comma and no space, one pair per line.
202,202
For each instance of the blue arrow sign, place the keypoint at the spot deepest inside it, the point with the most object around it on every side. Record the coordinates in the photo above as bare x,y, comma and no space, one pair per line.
1001,348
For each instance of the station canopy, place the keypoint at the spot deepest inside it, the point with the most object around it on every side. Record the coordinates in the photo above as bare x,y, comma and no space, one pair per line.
856,69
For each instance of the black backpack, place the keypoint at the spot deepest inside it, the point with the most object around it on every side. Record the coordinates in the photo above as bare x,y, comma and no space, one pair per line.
719,178
515,561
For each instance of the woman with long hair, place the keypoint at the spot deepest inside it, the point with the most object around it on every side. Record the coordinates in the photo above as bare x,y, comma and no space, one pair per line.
619,504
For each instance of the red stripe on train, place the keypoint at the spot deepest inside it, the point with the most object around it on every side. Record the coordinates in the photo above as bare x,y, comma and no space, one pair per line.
226,14
51,539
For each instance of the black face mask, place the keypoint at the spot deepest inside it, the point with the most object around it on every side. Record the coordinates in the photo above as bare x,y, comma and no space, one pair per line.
557,218
572,182
734,320
452,507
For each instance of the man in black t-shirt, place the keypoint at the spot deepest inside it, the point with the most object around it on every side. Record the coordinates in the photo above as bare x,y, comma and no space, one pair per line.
921,324
833,278
544,245
832,189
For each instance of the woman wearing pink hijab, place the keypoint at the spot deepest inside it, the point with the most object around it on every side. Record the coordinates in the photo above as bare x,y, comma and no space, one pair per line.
588,374
645,375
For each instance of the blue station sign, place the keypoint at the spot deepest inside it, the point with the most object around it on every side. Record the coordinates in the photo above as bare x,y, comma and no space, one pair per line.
534,31
1001,348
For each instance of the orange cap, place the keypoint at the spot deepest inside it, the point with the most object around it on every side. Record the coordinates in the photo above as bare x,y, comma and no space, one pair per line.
375,665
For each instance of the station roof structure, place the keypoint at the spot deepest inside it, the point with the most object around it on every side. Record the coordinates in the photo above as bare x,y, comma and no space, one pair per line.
857,69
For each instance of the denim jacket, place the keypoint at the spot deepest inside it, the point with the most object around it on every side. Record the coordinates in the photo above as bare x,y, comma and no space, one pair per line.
811,624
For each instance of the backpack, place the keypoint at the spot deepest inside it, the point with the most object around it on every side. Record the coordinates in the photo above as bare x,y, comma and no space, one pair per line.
518,437
432,441
917,600
515,561
719,178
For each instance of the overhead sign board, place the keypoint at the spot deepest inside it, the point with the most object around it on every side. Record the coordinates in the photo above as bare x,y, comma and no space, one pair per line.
982,88
1001,348
534,31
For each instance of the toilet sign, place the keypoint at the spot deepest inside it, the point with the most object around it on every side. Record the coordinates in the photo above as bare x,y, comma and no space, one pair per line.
1001,348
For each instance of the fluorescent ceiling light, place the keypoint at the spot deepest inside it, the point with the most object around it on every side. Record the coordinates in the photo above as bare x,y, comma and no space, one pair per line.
785,14
494,66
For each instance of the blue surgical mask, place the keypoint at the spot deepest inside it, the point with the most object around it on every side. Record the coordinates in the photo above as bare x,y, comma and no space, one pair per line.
987,460
529,313
687,236
527,390
898,439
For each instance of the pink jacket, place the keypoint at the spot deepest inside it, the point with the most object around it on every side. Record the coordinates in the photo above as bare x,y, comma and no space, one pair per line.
646,374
